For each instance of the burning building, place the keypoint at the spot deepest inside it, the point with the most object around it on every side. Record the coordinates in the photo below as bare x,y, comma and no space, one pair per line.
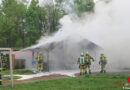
63,54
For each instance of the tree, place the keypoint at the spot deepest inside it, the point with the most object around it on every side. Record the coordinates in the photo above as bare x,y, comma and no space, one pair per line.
12,23
81,6
32,22
77,7
22,26
8,19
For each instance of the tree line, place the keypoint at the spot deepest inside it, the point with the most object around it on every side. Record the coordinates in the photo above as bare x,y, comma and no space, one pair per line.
21,25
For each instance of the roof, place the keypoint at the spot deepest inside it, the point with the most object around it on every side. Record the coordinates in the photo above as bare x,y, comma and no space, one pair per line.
48,46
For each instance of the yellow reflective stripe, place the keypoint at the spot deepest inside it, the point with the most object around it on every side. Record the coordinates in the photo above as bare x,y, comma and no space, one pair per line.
102,58
106,58
38,58
2,68
1,80
82,61
87,58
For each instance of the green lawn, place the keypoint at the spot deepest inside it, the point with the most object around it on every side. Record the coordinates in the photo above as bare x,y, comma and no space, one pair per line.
88,82
18,71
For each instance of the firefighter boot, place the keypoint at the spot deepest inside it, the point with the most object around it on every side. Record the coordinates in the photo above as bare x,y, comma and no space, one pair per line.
104,69
89,71
101,71
80,71
85,70
0,79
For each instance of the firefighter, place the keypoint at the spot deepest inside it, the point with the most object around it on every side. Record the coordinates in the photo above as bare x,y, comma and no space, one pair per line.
0,69
81,62
103,62
40,63
88,59
5,62
0,76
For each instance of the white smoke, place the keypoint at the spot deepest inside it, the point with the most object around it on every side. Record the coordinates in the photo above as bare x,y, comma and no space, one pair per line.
108,27
42,3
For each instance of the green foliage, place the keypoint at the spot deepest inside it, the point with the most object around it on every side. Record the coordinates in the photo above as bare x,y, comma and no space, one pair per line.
19,42
77,7
22,25
82,6
11,22
32,22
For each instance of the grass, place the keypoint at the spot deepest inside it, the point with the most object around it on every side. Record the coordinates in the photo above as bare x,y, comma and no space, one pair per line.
18,71
88,82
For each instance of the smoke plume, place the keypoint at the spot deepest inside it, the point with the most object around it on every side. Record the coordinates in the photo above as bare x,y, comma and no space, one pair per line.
107,27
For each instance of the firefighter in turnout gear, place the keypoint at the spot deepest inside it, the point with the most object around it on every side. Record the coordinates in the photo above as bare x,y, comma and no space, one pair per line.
81,62
103,62
0,76
88,59
5,61
40,63
0,68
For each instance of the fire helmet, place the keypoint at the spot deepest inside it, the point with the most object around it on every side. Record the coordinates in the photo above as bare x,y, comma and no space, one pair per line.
82,54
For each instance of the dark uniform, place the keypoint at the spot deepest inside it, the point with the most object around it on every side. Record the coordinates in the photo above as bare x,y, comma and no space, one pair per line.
0,69
0,76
